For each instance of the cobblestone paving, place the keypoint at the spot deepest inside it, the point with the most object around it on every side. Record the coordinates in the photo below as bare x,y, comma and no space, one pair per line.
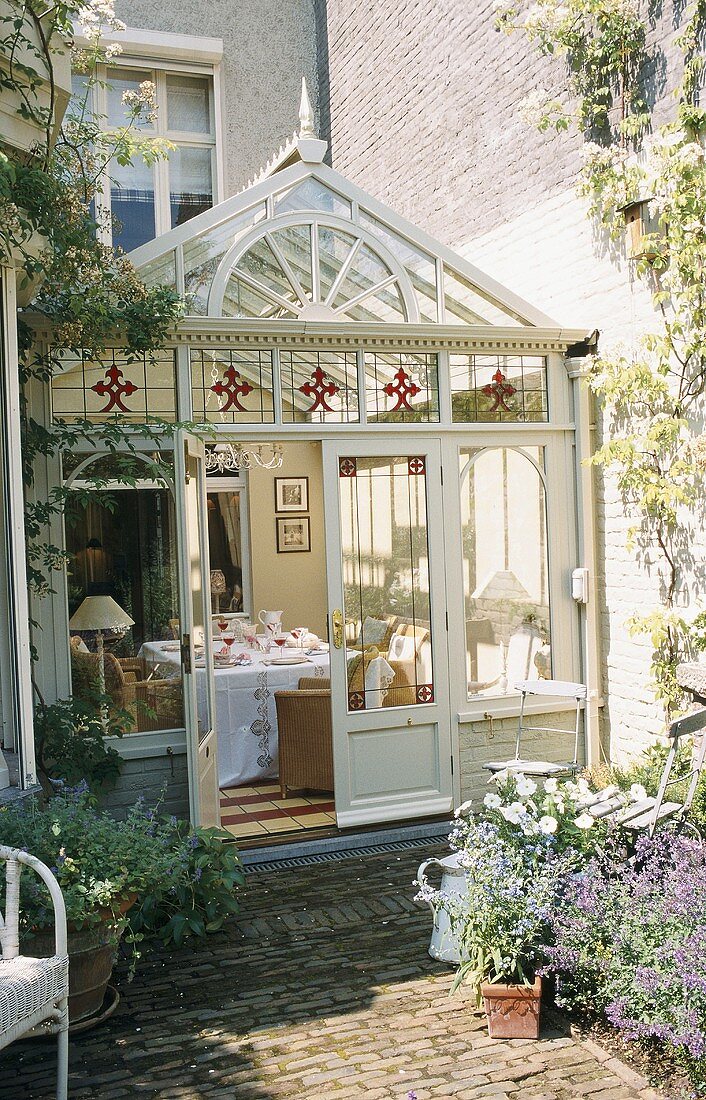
323,990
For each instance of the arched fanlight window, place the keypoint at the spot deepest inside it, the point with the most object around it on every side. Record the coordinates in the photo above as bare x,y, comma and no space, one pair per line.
313,269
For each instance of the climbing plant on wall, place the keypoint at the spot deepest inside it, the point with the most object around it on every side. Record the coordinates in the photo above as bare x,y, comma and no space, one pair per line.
651,392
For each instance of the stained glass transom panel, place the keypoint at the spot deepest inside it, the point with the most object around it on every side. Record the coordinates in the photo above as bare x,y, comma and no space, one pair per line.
498,388
319,386
401,387
232,386
134,388
387,603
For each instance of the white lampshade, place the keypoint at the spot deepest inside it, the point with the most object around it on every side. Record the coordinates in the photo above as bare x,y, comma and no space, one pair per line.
100,613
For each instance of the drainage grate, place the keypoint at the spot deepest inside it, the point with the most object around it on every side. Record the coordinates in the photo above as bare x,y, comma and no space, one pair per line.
345,853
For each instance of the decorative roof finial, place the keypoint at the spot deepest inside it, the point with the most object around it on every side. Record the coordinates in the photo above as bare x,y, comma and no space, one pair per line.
306,114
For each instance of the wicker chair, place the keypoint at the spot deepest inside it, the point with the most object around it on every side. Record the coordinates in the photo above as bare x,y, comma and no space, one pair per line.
305,738
33,992
153,704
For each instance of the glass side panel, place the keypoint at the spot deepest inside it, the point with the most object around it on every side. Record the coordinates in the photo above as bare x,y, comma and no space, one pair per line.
161,271
506,570
312,195
498,388
225,546
401,387
384,305
242,300
203,254
121,83
122,548
319,386
365,272
261,264
132,204
232,386
464,305
420,266
294,242
334,249
99,390
188,104
387,604
190,186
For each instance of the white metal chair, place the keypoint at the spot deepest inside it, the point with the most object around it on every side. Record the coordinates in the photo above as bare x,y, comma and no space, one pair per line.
548,689
33,992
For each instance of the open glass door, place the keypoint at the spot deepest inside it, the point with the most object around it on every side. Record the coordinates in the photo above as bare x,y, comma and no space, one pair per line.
387,628
195,631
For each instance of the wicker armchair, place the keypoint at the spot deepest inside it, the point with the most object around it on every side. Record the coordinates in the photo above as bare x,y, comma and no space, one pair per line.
33,992
153,703
305,739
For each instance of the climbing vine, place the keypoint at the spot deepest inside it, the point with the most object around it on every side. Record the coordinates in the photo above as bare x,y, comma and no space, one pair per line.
652,391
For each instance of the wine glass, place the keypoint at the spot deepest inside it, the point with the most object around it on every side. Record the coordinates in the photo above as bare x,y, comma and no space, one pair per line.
280,638
228,639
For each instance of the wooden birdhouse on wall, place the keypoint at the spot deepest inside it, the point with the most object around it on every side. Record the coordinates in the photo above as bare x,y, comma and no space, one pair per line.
640,226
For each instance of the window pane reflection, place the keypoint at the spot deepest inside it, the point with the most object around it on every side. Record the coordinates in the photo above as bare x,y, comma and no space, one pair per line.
506,583
386,581
190,187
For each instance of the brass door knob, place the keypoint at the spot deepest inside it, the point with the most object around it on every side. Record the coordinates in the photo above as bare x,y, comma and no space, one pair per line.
337,627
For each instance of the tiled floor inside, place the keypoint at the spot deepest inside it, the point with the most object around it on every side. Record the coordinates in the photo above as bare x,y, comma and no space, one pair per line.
259,811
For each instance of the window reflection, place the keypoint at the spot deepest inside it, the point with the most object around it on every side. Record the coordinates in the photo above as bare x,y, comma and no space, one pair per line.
225,537
506,582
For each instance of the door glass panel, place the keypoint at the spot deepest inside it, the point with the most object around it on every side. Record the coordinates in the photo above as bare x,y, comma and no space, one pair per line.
506,571
122,546
387,605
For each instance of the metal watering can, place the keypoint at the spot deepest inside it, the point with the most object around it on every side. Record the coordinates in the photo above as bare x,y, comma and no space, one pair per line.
444,943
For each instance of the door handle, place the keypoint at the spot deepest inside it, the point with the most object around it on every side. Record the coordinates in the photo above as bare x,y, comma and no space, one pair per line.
337,627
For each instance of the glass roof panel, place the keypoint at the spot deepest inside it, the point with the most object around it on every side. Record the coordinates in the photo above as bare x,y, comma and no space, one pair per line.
463,304
334,249
294,242
160,271
420,266
365,271
312,195
242,300
203,254
260,263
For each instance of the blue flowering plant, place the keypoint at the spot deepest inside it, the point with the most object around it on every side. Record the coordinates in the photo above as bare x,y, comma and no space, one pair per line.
629,946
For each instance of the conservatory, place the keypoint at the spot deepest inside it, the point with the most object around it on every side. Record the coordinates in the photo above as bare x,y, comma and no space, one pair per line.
360,531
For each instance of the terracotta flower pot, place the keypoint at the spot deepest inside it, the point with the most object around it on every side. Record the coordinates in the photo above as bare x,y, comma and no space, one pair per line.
92,953
512,1010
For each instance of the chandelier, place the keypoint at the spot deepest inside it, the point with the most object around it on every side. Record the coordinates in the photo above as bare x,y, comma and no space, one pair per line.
223,458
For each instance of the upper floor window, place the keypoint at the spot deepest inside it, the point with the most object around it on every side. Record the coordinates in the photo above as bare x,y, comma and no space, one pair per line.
137,202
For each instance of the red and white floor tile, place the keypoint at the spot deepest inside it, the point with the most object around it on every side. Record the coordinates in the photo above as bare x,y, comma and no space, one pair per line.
259,811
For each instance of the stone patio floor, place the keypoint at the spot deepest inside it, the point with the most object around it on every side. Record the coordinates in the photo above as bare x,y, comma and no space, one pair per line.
323,989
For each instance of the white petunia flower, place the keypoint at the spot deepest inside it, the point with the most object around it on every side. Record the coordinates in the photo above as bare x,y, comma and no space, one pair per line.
492,801
525,786
551,785
584,821
464,808
513,813
583,787
500,777
548,824
638,792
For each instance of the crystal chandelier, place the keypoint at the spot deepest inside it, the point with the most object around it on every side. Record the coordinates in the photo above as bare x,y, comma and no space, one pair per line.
224,458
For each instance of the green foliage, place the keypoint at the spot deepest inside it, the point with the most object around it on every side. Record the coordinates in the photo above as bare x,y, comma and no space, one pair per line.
652,392
70,738
202,892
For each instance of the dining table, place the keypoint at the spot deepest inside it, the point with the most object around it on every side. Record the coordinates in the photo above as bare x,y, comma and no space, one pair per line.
245,714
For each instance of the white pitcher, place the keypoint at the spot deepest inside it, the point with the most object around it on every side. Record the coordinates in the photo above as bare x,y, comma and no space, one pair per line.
444,943
270,619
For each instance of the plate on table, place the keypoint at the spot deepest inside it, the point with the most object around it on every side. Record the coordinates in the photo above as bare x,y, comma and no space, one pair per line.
286,661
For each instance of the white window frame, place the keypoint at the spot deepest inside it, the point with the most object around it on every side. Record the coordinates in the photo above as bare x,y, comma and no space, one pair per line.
159,56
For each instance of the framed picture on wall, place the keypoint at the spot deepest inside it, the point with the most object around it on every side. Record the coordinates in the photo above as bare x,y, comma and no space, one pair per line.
291,494
293,535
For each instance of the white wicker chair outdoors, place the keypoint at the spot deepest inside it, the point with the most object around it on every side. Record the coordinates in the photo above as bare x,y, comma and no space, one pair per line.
33,992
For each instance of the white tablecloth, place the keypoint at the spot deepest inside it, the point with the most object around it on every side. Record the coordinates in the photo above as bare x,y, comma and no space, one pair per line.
245,718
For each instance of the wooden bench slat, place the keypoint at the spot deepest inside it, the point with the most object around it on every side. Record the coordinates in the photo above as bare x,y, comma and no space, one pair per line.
667,809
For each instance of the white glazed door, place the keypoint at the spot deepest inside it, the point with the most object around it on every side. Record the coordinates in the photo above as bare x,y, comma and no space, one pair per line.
195,626
387,630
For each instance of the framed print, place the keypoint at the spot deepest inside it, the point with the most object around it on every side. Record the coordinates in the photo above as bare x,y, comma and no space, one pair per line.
293,535
291,494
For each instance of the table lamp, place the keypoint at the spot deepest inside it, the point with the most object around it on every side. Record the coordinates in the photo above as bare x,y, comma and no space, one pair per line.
100,613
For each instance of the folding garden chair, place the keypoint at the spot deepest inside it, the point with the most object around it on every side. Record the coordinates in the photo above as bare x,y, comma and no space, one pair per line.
547,689
645,815
33,992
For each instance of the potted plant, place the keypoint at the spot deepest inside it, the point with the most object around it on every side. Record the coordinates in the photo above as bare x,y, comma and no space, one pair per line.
102,866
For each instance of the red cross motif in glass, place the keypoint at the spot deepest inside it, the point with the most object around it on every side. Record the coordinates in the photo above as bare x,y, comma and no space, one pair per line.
232,387
347,467
499,390
416,467
115,387
356,700
425,693
403,389
319,388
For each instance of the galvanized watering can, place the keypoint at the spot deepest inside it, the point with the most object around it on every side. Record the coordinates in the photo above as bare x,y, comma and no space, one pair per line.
444,943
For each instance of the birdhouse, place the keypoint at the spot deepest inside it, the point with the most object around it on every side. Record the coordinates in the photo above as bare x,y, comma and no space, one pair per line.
639,224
